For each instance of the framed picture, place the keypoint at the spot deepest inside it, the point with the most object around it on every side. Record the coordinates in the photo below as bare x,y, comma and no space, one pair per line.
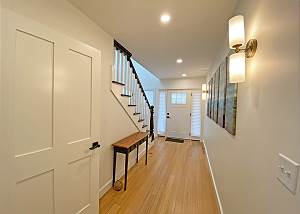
212,107
222,93
208,100
230,105
216,95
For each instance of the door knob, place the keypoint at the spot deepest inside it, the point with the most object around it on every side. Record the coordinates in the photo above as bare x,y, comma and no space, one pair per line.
168,117
95,145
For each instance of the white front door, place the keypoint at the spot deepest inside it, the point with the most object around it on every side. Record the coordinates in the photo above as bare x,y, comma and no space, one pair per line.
51,117
178,113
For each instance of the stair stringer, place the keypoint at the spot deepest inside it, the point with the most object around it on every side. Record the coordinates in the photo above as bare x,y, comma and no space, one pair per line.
117,90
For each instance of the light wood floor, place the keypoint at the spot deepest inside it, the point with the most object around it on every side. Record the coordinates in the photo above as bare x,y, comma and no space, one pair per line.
176,180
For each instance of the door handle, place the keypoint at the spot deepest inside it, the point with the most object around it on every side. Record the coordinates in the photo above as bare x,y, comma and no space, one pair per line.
95,145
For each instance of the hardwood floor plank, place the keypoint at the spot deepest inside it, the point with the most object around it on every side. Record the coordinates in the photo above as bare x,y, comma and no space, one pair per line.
176,180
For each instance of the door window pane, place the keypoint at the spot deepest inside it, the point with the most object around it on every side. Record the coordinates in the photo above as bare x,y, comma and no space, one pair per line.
178,98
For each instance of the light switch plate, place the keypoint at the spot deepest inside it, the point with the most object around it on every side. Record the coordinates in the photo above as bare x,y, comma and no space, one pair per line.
287,173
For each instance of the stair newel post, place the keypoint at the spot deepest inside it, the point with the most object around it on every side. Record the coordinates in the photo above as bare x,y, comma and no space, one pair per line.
152,123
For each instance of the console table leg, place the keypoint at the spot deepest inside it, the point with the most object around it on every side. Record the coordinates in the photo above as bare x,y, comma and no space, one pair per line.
137,153
146,162
114,168
126,169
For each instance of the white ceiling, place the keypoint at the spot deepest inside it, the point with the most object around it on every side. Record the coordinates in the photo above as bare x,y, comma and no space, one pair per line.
195,33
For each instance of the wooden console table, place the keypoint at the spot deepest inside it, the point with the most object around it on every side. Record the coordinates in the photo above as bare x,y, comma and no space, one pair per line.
125,146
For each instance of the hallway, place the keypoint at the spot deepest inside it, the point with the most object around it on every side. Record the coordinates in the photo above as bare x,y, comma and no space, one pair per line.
176,180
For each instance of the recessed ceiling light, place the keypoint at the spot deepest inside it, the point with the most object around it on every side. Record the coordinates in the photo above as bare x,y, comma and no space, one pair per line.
184,75
179,60
165,18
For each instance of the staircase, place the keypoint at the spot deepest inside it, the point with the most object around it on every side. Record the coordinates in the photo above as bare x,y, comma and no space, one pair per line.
128,90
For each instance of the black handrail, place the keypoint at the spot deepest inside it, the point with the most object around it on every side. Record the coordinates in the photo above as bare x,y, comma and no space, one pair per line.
121,48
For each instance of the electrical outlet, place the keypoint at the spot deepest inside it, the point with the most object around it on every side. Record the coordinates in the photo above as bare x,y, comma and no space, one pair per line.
287,173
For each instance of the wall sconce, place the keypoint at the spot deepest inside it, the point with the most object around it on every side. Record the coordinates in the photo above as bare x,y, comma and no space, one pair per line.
204,91
236,42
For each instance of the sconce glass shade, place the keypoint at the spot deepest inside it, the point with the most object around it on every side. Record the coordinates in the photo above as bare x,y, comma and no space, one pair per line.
237,68
236,32
204,91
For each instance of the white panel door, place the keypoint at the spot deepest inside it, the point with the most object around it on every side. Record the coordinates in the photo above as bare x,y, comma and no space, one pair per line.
51,113
178,113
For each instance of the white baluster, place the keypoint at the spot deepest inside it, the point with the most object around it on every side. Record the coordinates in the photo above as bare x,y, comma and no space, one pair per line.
132,87
144,111
145,114
124,69
129,85
139,100
136,102
113,71
125,74
117,68
126,77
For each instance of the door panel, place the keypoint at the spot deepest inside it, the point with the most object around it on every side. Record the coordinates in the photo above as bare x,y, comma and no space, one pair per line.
51,112
33,83
79,94
79,173
39,199
178,113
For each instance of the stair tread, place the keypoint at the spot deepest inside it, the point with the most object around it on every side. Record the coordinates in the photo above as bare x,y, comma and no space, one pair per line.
119,83
125,95
140,120
136,113
131,105
144,126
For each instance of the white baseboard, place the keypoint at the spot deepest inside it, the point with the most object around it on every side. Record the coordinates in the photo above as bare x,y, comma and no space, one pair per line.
131,163
213,179
105,188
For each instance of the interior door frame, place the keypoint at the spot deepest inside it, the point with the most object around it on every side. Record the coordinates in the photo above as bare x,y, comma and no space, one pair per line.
181,89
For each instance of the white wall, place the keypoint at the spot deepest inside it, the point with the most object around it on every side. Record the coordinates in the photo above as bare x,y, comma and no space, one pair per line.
63,17
268,115
148,80
182,83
